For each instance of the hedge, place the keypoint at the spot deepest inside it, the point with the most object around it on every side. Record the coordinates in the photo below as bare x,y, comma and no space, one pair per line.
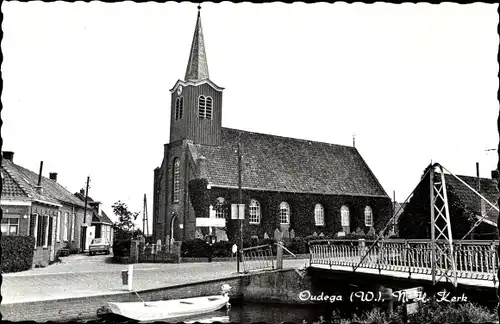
298,245
17,253
195,248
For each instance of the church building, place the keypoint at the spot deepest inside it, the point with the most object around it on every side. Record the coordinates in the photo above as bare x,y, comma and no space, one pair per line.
287,183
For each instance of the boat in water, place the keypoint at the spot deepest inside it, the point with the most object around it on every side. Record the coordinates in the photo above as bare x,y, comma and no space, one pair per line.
171,309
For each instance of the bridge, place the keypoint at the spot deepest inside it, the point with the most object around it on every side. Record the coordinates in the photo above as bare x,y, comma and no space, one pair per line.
438,259
476,262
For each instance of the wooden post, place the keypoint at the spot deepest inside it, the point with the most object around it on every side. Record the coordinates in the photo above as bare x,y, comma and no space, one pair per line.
279,255
240,220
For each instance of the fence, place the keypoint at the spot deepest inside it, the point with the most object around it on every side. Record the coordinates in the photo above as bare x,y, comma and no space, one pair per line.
258,258
473,259
161,253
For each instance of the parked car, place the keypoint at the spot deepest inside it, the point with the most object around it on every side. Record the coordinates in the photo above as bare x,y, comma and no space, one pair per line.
99,245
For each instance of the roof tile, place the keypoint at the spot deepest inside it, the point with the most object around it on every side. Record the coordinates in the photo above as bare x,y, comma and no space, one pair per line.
277,163
27,180
489,190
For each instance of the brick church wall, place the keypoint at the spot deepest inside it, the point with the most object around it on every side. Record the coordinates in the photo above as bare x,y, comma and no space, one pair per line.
302,211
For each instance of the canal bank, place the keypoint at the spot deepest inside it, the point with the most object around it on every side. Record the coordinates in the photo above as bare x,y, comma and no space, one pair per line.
282,286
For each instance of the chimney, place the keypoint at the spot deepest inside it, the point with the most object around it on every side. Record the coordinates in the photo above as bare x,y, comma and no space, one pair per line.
97,206
38,187
8,155
494,174
53,176
82,192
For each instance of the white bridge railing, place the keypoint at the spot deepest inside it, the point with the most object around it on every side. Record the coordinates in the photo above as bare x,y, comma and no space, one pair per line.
473,259
258,258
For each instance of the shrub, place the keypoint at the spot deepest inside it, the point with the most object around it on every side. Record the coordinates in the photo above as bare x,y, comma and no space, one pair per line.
430,312
121,248
298,245
433,311
17,253
72,247
195,248
222,249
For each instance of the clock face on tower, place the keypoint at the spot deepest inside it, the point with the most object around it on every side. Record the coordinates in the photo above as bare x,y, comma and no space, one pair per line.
179,90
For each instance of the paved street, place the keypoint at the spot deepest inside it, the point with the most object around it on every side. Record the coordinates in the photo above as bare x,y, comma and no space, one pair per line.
81,275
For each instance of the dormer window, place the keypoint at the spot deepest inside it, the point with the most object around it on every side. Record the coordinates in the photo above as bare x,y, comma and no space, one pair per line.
179,108
205,107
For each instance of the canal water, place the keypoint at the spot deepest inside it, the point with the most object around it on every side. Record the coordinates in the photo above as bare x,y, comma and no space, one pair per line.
246,313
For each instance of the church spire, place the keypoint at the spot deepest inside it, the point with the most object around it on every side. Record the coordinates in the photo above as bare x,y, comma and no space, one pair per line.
197,68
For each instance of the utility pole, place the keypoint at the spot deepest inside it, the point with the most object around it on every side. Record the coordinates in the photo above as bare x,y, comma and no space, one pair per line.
394,210
83,239
239,216
86,199
145,221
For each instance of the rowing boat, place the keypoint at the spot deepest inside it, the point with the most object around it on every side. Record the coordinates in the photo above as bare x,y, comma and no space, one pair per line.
169,309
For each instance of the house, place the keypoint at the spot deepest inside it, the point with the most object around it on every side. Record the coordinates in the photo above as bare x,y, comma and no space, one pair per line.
103,226
465,207
41,207
287,183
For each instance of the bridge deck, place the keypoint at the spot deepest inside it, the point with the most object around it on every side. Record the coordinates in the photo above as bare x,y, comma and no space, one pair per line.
407,275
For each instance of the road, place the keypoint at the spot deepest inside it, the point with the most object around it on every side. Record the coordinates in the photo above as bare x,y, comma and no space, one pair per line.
82,275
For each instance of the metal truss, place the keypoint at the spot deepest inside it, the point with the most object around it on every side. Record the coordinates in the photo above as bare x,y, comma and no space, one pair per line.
441,237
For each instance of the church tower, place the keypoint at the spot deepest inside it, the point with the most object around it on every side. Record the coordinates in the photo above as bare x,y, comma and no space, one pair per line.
196,105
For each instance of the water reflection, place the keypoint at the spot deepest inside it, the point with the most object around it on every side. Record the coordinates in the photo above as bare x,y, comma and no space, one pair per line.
268,313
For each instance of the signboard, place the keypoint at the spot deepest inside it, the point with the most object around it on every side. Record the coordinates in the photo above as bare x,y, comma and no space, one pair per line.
210,222
234,211
411,308
234,248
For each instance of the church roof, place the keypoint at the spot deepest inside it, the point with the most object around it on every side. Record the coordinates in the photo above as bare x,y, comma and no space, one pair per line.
197,68
275,163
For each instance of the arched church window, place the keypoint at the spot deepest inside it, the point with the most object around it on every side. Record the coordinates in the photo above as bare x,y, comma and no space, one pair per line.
368,216
176,181
284,213
319,215
254,209
344,216
220,210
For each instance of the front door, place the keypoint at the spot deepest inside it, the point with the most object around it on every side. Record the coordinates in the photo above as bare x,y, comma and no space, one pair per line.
83,237
89,237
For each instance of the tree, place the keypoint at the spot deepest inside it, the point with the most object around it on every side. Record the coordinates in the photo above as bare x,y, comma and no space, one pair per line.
125,225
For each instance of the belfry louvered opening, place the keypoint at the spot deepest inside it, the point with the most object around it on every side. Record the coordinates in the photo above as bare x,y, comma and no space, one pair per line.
205,105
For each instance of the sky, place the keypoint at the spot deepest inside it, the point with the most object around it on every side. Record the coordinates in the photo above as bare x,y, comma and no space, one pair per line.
86,85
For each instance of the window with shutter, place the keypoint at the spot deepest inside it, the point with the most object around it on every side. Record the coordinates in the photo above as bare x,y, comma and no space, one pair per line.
51,225
39,232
